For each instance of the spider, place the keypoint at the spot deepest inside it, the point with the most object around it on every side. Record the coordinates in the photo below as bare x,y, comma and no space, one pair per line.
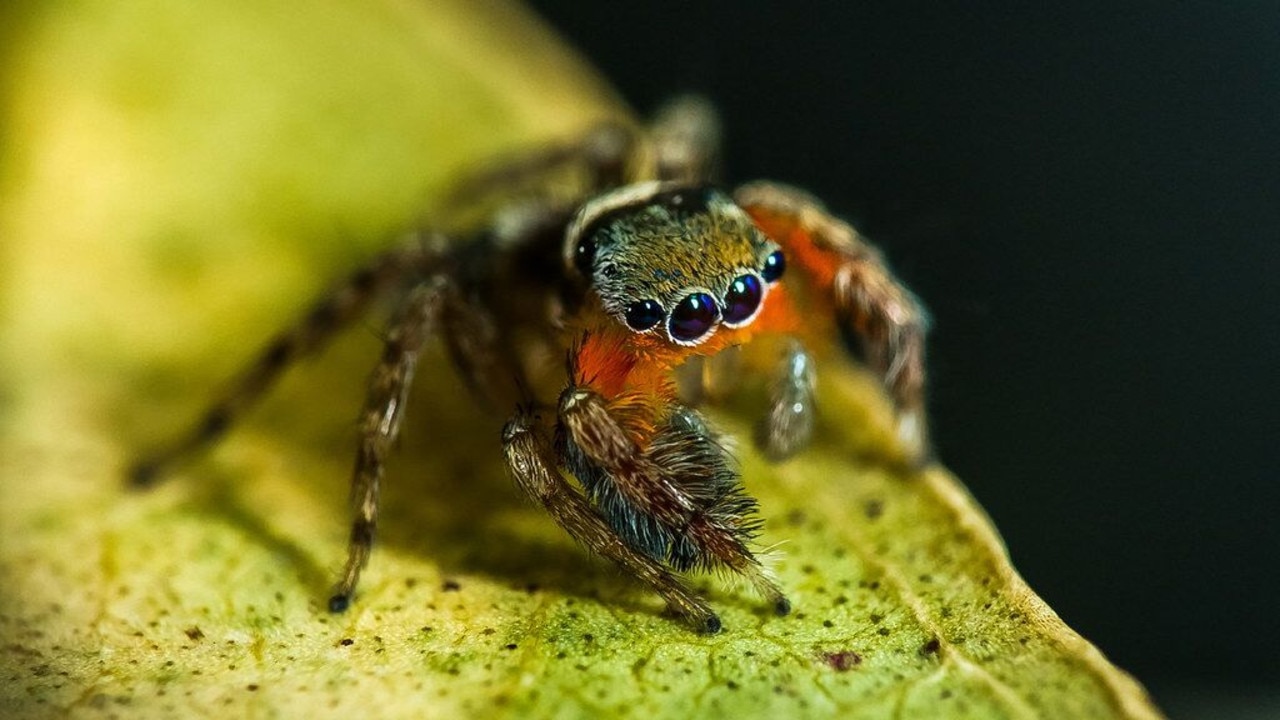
647,282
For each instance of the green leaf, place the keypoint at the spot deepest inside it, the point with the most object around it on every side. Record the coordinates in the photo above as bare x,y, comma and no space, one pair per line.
178,180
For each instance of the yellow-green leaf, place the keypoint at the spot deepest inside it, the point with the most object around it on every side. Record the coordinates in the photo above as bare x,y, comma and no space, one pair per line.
176,180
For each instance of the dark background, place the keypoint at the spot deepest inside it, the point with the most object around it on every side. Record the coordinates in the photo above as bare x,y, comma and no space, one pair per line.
1086,196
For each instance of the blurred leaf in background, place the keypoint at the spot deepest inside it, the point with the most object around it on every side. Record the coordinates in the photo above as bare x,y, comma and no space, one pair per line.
178,180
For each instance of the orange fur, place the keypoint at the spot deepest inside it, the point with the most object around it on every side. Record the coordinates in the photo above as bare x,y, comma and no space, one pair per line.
817,263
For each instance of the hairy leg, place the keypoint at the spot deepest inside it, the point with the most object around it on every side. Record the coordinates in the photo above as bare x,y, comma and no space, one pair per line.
603,154
676,499
332,313
529,460
380,424
885,323
788,426
686,141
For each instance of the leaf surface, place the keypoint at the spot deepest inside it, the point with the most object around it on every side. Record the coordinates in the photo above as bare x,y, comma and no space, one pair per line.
175,183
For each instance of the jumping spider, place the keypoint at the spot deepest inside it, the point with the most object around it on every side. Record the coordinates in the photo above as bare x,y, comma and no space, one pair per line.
649,274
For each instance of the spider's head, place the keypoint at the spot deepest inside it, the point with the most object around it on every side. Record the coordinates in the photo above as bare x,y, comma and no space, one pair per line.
673,259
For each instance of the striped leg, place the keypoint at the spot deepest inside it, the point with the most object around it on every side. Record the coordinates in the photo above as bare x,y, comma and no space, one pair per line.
529,460
380,424
883,321
676,499
335,311
602,154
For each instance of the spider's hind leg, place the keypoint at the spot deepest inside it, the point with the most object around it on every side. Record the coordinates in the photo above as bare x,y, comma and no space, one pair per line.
686,140
331,314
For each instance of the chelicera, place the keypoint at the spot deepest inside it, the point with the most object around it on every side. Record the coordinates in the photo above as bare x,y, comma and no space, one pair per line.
647,274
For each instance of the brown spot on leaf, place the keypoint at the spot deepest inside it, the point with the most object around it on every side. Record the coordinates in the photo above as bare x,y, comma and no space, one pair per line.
194,633
843,660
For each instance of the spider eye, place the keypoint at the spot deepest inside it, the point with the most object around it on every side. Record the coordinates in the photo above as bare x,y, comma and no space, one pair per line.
692,318
774,266
643,315
742,300
584,256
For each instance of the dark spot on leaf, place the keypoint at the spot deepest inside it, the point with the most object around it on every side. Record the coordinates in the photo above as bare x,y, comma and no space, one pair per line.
194,633
795,518
511,646
828,623
842,660
883,632
874,509
876,618
252,687
931,647
347,642
451,586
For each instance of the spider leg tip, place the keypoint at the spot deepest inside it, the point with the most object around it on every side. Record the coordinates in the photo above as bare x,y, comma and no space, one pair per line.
711,625
339,603
782,607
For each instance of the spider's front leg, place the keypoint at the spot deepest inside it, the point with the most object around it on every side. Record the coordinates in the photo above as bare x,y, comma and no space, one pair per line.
530,462
660,477
379,424
871,307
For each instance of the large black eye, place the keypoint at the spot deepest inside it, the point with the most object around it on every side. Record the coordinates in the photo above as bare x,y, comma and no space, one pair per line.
584,256
692,318
742,300
643,315
774,266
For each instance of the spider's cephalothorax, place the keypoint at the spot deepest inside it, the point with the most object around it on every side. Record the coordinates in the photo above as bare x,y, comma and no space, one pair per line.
635,281
673,260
